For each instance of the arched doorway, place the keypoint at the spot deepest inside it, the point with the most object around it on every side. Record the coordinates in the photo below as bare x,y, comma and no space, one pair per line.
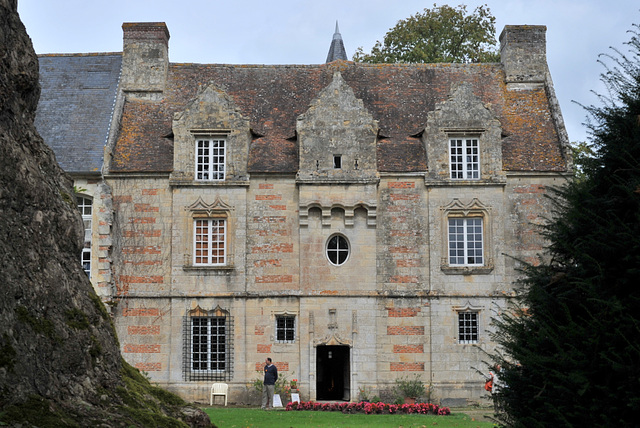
333,379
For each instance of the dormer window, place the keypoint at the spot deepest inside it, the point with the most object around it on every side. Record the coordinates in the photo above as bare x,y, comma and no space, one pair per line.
464,159
210,159
337,161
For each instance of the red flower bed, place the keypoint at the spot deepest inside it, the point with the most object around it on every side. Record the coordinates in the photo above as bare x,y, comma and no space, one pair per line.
371,408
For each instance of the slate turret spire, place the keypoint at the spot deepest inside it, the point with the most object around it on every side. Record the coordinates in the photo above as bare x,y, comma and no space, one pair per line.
337,51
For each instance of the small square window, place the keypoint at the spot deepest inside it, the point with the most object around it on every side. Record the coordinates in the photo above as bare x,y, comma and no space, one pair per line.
337,161
285,328
467,327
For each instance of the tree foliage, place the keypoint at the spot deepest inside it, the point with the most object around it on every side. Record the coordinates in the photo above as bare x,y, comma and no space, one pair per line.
570,349
440,34
582,154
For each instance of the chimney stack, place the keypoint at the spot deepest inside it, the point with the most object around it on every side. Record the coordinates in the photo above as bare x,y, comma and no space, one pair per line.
145,59
523,52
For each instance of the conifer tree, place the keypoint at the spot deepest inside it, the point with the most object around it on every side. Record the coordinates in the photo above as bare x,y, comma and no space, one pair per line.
570,349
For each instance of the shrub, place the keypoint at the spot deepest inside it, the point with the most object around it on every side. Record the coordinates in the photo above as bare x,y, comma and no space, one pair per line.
408,387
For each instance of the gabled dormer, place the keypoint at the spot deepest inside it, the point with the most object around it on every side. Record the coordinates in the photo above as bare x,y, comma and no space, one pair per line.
211,141
463,140
337,137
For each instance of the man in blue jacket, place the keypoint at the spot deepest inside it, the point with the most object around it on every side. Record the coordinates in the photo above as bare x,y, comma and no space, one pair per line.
270,378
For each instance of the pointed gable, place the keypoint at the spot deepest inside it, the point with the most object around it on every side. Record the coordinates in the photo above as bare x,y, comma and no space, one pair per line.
211,114
337,136
463,115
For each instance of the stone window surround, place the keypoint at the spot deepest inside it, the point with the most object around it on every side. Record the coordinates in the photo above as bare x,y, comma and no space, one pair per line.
464,136
217,210
467,323
205,134
210,137
285,315
474,208
213,221
284,312
338,249
207,375
465,242
214,330
468,308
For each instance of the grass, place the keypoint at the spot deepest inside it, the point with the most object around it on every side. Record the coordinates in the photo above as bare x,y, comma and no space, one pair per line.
243,417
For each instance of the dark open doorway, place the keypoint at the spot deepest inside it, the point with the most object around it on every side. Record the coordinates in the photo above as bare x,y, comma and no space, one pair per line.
333,373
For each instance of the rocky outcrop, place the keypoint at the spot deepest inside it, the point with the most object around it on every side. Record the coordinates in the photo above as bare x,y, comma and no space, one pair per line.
60,363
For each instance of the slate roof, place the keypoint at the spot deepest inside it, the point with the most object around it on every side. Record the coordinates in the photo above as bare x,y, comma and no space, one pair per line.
399,96
76,106
336,50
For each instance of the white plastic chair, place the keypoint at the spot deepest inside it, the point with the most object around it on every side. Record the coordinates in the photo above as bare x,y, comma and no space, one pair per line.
219,389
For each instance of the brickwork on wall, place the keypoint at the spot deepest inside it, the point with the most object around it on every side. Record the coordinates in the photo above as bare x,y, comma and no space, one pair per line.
141,349
149,367
403,225
408,349
402,312
271,240
142,231
141,312
405,330
406,367
143,329
281,366
264,349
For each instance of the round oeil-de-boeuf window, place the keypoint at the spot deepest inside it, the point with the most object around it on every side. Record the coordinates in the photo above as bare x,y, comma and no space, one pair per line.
337,250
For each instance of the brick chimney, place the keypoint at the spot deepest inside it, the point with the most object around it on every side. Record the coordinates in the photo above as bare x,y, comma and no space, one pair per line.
523,52
145,59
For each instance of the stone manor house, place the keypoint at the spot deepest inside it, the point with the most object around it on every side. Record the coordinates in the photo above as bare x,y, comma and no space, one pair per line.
355,222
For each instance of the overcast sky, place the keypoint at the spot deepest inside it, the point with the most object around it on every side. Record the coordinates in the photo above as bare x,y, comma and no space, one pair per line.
300,32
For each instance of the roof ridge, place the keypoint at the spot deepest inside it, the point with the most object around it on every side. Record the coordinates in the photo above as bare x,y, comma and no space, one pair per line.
79,54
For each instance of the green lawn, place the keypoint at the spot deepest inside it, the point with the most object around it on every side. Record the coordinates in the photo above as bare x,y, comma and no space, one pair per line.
241,417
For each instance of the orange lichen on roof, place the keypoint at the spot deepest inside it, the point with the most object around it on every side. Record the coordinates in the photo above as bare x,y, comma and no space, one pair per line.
142,144
398,96
532,143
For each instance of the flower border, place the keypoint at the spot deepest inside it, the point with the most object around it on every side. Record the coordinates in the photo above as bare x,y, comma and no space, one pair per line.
371,408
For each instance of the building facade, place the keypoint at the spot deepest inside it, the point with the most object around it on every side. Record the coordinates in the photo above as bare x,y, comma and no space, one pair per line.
356,223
